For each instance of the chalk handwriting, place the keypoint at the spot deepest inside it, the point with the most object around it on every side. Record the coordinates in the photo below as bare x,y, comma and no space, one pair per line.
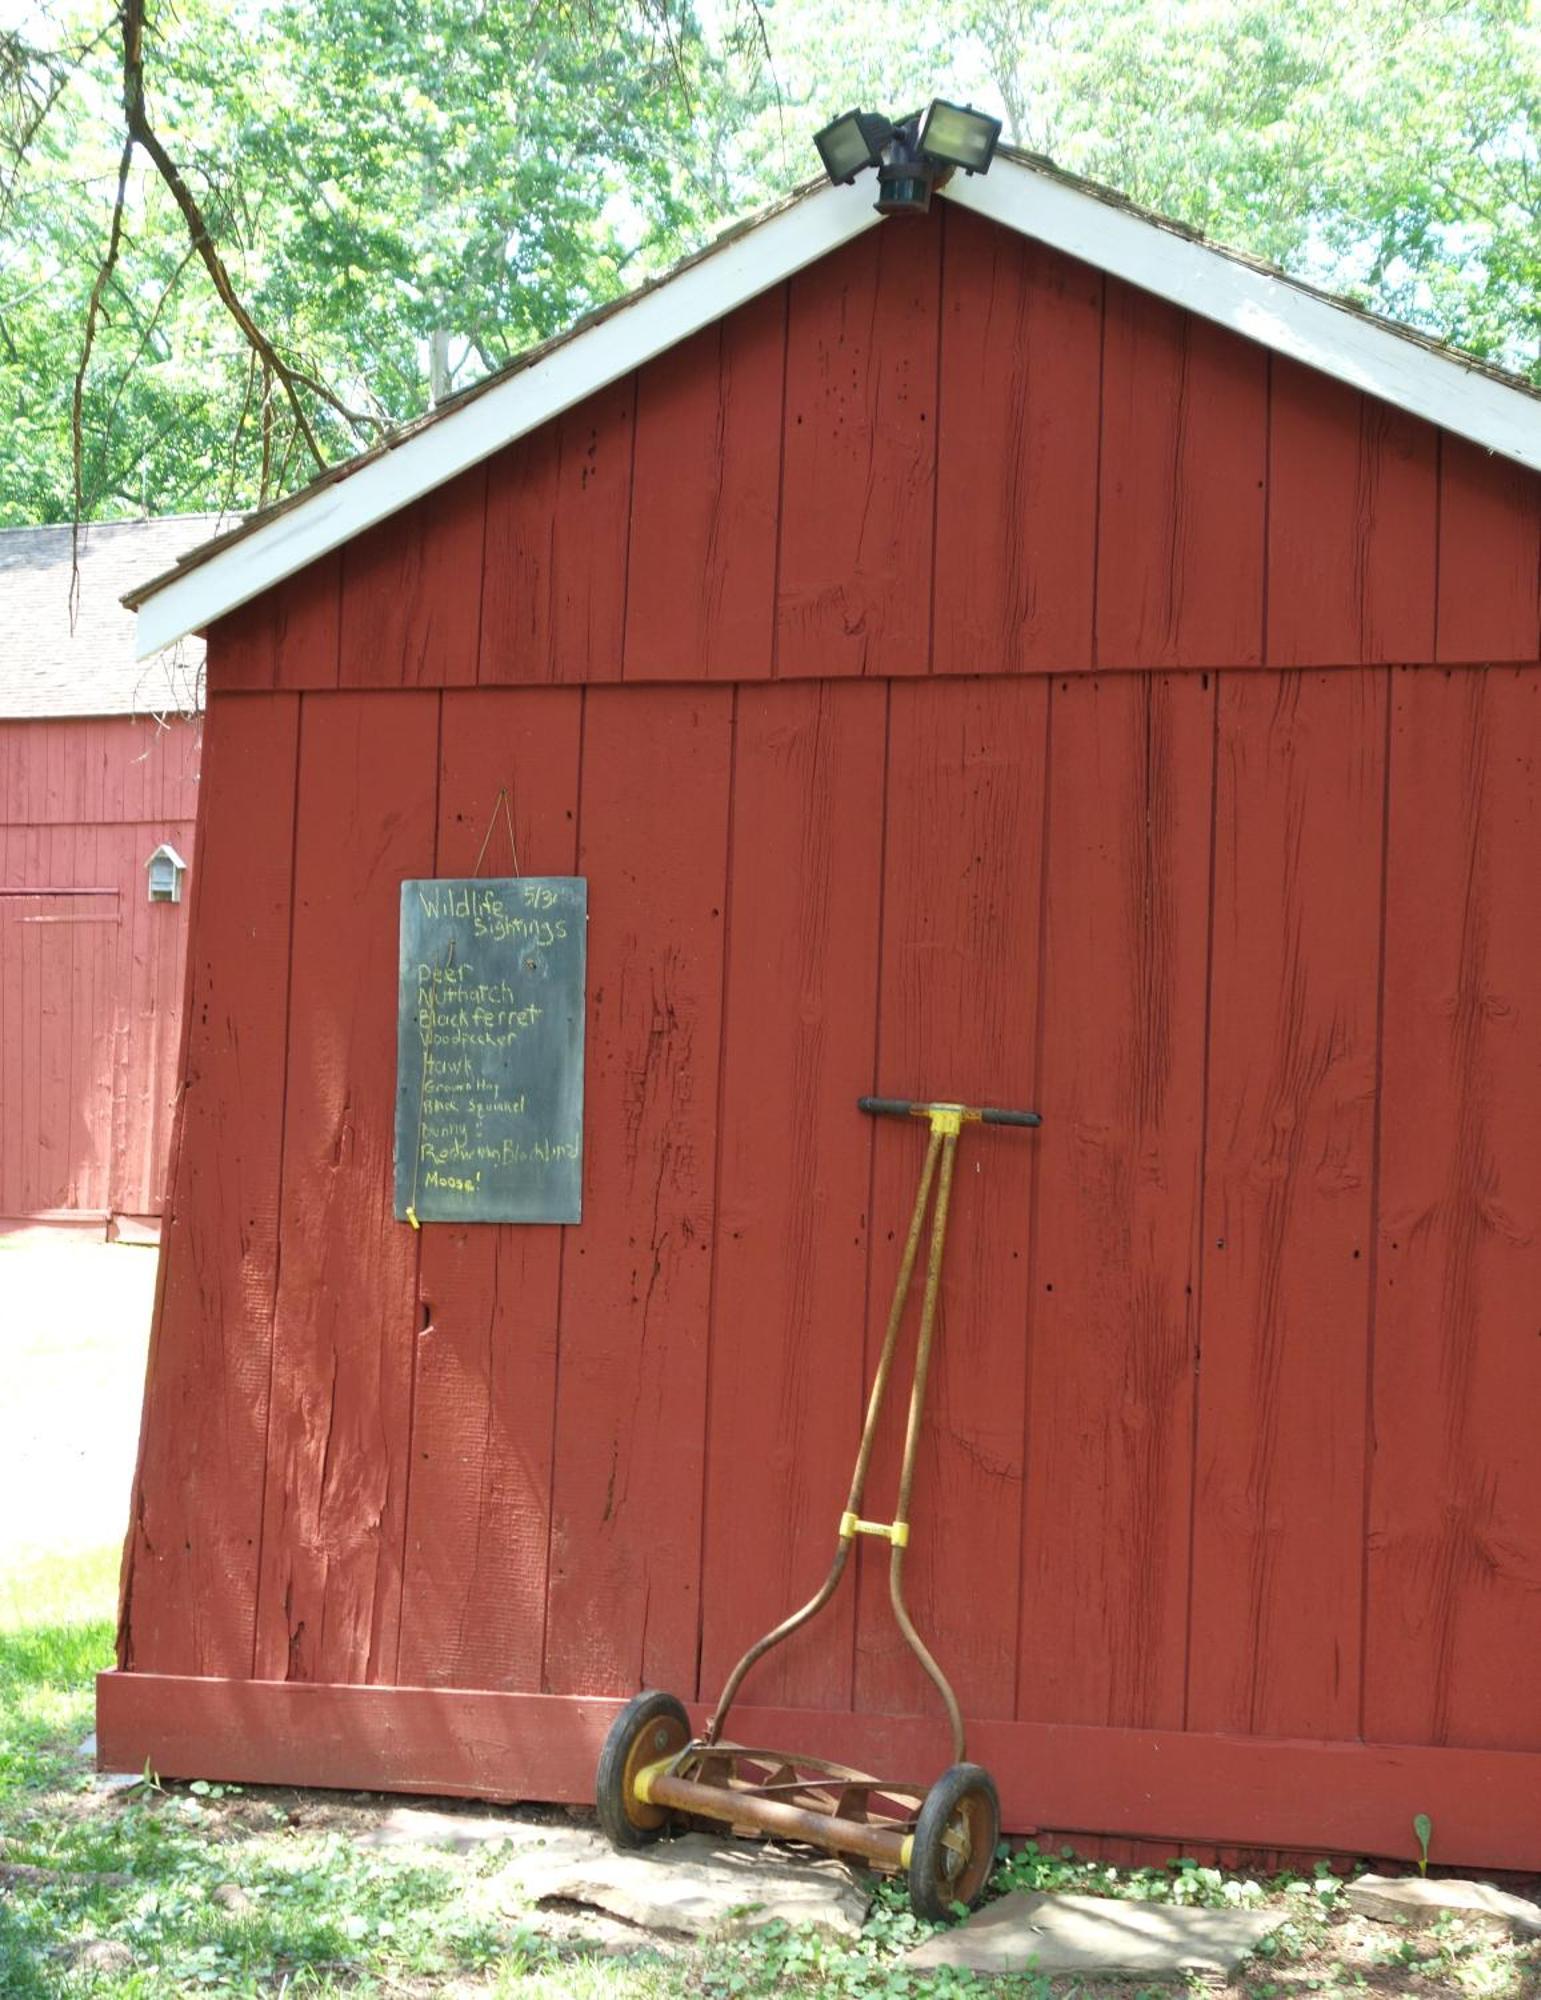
490,1098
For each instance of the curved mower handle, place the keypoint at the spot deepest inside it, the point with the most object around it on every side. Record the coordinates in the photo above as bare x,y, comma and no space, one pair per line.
904,1107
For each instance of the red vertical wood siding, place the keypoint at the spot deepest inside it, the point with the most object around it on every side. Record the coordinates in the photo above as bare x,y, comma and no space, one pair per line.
624,1584
1113,1330
1016,482
1489,578
859,459
484,1387
1293,1020
961,885
1183,472
288,637
191,1598
1454,1566
411,593
701,568
90,986
339,1423
794,1173
1027,692
1352,519
554,570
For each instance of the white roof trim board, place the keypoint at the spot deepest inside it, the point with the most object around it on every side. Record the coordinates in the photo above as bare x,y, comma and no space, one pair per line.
1037,202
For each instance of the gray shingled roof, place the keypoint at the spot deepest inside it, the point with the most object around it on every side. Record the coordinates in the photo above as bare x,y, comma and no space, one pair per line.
45,669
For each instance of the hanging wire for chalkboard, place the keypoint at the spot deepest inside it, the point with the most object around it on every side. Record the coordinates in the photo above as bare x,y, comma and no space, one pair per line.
425,1027
508,818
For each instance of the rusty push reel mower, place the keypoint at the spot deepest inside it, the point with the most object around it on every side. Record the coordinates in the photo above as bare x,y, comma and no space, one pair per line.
943,1836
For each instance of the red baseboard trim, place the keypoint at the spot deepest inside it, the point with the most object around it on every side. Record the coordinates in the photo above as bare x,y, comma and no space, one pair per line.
1233,1791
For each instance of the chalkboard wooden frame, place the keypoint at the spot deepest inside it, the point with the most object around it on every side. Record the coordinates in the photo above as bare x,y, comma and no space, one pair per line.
489,1049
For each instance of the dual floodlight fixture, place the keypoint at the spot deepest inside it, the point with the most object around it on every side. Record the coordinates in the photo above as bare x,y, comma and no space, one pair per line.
913,154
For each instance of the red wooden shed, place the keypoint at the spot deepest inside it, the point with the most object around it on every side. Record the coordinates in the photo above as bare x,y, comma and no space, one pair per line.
1025,655
98,768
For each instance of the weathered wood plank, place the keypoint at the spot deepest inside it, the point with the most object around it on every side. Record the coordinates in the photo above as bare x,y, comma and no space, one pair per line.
1489,556
411,592
307,630
859,466
1016,511
706,486
1454,1614
333,1512
957,1015
190,1563
558,516
1114,1325
1352,513
286,638
1294,1000
1183,455
479,1504
795,1179
242,656
624,1597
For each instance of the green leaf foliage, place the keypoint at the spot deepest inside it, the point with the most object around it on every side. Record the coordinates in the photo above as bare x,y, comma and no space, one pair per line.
372,172
1387,149
375,172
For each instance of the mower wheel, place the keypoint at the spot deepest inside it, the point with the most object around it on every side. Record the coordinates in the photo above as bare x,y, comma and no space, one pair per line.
652,1725
954,1842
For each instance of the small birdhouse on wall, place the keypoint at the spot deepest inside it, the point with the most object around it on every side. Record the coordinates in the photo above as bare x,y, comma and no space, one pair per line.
166,868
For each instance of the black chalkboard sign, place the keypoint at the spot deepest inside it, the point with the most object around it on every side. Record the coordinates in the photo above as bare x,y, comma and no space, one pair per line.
489,1050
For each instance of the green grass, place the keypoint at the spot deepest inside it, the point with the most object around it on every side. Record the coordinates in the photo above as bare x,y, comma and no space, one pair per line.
56,1634
314,1914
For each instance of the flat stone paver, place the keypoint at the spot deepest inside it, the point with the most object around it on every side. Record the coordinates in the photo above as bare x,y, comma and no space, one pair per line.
1030,1930
1415,1899
703,1888
692,1887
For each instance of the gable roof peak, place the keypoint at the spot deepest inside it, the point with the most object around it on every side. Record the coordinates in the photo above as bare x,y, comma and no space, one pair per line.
1023,193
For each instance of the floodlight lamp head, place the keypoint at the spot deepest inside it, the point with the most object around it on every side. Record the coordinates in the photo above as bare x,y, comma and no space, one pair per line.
956,135
852,142
913,155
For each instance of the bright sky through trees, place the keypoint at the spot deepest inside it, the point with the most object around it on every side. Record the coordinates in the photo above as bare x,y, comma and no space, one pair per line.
372,171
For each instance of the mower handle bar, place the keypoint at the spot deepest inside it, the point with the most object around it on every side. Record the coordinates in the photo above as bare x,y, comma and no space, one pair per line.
904,1107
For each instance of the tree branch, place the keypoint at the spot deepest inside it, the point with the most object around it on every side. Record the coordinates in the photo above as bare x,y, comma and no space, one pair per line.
141,132
145,338
77,401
